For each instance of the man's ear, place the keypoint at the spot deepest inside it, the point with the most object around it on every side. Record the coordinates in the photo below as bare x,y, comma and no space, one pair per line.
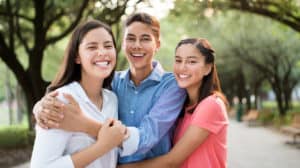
157,45
123,45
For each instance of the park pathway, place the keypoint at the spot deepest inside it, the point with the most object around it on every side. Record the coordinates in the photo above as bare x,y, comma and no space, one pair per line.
255,147
259,147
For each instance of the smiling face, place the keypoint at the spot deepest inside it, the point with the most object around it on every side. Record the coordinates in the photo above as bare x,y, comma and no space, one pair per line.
190,67
140,45
96,54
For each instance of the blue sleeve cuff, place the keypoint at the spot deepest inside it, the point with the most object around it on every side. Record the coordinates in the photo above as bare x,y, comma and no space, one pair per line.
130,145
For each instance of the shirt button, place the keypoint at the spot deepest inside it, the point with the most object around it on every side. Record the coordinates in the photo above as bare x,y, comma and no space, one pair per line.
131,111
136,92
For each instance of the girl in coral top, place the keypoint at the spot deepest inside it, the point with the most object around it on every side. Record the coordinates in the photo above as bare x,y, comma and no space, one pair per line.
201,136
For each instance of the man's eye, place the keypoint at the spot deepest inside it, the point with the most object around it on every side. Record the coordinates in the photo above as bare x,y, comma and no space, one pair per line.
146,39
130,39
178,61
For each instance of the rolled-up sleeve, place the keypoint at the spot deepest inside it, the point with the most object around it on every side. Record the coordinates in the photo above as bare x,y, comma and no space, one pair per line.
130,145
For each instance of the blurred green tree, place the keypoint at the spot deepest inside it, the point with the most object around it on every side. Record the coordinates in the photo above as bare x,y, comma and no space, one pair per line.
34,25
284,11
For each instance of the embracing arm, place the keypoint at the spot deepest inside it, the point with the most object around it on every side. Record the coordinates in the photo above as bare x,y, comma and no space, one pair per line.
111,135
191,140
50,112
208,118
49,147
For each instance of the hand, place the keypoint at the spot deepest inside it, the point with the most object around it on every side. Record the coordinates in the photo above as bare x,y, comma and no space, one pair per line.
74,119
48,113
111,134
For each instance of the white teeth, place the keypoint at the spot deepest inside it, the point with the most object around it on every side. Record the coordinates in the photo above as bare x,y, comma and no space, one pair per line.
183,76
102,63
137,55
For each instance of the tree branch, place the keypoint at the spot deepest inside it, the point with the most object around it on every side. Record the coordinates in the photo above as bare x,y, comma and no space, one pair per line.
10,25
17,15
245,6
9,57
52,20
22,40
71,27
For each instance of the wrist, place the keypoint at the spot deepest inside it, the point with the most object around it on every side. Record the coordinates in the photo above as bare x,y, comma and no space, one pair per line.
91,127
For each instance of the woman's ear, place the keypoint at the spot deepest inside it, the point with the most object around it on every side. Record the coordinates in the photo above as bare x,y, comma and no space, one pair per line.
77,60
208,68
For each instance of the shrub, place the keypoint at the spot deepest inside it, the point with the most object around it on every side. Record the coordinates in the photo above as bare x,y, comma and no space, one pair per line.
15,137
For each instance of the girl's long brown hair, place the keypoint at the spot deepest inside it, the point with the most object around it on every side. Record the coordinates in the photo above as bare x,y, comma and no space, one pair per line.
210,83
69,70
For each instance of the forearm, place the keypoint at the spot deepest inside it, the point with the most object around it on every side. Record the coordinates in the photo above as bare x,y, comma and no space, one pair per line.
88,155
162,161
90,126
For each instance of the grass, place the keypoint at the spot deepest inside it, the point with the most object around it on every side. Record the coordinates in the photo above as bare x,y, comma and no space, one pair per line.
16,136
273,117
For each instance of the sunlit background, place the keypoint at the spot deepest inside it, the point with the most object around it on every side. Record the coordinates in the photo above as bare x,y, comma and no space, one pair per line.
257,44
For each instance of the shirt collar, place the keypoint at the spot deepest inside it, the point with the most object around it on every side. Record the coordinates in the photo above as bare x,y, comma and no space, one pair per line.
79,91
155,75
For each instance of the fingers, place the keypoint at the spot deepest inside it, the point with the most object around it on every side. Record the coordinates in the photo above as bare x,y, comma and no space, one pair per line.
47,119
53,93
70,99
108,123
51,103
41,123
52,124
52,115
117,125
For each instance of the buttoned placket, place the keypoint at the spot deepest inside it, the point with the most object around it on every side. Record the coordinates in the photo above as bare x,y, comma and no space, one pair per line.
135,97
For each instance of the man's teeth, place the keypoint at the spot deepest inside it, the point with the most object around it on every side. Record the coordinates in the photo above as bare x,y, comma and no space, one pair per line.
104,63
137,55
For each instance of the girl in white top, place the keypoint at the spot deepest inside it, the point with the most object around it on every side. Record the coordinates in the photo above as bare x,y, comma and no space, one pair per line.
85,74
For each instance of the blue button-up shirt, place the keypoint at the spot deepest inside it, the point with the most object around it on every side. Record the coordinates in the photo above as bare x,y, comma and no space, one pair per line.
152,107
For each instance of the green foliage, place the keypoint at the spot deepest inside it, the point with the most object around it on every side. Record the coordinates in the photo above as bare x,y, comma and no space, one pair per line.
15,137
53,59
270,115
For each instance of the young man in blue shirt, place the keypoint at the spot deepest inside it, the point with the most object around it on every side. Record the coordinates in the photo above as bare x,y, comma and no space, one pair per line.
149,98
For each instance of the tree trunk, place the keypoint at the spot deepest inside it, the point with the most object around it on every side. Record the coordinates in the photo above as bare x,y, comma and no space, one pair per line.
278,93
20,104
9,96
32,96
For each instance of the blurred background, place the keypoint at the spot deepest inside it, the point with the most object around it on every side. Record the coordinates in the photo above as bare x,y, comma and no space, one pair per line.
257,43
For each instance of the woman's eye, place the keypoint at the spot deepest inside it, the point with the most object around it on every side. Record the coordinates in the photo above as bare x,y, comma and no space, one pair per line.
92,47
192,62
108,46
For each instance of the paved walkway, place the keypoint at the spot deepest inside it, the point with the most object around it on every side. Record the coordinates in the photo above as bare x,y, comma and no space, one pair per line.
255,147
258,147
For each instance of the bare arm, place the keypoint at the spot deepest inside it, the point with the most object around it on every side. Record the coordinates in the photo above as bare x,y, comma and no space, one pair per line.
50,112
110,136
191,140
49,146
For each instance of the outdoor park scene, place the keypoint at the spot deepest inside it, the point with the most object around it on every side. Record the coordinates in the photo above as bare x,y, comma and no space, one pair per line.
257,49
